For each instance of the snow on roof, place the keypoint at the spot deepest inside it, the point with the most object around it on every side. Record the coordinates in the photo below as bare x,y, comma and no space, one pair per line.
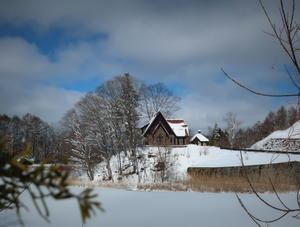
292,132
200,137
179,127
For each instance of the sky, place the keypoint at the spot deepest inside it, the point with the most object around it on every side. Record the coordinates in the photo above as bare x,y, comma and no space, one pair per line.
53,52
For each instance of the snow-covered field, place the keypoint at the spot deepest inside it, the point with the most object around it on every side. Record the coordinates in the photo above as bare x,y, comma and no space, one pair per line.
178,159
159,208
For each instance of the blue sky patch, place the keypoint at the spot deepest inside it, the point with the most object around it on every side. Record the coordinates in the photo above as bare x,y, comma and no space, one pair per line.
48,40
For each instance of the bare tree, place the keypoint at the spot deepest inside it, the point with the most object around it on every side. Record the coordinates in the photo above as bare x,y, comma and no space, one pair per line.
157,97
94,116
29,128
83,153
232,126
163,162
92,133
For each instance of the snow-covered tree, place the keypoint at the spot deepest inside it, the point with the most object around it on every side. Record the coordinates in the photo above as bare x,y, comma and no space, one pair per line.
95,117
121,99
218,137
82,152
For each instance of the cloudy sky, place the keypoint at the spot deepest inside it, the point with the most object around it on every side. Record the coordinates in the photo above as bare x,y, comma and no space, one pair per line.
52,52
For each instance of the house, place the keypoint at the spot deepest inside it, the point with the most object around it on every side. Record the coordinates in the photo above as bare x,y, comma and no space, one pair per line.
163,132
199,139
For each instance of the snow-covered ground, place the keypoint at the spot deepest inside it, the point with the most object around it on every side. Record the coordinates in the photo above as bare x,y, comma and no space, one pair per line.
159,208
283,140
197,156
178,159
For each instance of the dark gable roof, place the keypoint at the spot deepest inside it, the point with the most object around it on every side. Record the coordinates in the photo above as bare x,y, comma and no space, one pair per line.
157,119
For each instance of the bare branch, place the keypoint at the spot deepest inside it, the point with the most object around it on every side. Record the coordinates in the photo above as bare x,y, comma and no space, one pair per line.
256,92
286,210
291,78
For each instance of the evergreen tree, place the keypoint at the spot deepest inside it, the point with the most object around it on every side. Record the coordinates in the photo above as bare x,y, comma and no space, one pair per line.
218,137
281,119
292,115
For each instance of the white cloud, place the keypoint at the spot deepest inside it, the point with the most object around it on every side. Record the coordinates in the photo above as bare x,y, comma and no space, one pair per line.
201,112
187,43
21,59
49,103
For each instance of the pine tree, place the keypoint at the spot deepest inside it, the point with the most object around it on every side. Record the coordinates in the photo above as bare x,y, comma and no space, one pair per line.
281,119
129,101
292,116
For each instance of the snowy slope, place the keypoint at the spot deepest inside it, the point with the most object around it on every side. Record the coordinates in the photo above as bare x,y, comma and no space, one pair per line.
178,159
197,156
278,140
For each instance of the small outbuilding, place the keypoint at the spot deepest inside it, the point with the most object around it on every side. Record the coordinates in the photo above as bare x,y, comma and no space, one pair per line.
199,139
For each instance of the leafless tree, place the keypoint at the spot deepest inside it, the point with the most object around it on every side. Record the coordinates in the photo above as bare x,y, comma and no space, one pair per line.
163,162
29,128
110,92
232,126
82,152
93,112
157,97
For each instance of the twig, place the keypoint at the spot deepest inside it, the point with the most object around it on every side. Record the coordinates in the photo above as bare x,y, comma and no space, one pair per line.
256,92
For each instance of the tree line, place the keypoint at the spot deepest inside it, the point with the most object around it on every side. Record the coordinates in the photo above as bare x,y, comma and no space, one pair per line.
29,128
233,135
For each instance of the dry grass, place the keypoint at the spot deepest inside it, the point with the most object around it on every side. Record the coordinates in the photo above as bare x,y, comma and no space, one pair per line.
283,176
240,184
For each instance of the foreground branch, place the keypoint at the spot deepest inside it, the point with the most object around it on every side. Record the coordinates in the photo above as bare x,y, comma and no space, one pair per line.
256,92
